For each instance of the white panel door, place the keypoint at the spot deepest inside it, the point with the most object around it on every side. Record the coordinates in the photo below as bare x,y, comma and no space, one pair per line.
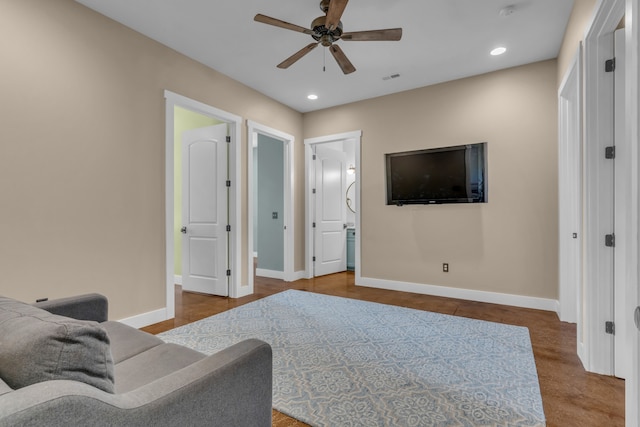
204,210
330,212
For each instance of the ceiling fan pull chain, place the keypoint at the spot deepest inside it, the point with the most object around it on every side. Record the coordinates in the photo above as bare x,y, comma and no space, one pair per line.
324,60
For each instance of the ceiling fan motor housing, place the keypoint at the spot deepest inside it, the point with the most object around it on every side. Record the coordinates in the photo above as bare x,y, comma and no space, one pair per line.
324,6
322,34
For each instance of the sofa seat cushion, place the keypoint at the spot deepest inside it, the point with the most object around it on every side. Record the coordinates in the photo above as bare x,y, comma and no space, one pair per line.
37,346
126,341
153,364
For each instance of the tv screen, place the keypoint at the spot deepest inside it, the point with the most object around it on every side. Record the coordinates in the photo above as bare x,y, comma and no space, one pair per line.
439,175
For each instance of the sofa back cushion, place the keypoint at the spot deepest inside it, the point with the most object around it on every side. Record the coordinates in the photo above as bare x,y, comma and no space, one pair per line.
37,346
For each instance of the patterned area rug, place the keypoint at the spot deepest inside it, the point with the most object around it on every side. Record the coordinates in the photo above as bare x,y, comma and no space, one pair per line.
344,362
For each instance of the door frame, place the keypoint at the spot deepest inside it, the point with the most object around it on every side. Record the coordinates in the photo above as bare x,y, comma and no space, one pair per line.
632,134
600,25
234,122
598,131
570,200
622,211
309,171
253,130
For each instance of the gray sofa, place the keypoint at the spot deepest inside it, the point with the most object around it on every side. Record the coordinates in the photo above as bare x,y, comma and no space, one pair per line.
63,364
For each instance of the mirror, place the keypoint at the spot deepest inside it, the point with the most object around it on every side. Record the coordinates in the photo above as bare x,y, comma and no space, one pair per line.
351,203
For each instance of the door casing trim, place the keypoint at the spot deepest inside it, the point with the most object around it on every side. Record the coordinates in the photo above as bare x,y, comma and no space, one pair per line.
234,122
356,136
598,129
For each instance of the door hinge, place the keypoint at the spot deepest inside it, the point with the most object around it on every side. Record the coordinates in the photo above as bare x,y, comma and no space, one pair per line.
610,328
228,183
313,191
610,65
610,152
313,157
228,272
228,139
610,240
228,228
314,259
313,225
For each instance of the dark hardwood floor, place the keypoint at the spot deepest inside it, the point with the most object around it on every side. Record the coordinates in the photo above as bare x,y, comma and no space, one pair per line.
571,396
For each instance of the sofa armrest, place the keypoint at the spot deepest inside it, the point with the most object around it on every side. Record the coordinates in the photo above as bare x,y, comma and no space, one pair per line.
230,388
82,307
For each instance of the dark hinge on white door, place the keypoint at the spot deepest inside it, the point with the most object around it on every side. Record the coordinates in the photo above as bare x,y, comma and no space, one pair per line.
610,240
228,272
314,259
610,65
228,139
610,328
610,152
228,228
228,183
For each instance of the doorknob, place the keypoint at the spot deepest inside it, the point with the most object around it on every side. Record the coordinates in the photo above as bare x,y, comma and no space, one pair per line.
183,230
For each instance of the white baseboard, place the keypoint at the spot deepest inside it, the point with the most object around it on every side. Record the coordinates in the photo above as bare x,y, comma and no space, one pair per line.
557,310
297,275
272,274
177,280
465,294
243,291
146,319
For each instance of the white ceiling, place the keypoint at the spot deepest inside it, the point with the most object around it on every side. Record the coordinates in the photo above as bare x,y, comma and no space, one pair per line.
442,40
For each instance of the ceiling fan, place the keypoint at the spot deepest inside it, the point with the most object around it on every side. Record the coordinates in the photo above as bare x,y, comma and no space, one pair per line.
327,30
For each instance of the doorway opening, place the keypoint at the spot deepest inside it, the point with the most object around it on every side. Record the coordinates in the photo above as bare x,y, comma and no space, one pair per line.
270,202
172,103
326,235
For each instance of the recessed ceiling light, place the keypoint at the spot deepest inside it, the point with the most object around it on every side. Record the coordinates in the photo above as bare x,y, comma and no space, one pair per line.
498,51
392,76
312,97
508,11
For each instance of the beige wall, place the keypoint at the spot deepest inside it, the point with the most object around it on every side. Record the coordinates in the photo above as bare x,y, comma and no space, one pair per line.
82,165
508,245
82,153
578,21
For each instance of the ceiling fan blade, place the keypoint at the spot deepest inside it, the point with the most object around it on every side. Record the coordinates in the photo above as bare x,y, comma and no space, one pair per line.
296,56
342,60
336,9
282,24
391,34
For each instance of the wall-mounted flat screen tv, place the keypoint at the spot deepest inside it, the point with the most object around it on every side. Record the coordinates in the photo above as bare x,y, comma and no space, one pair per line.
455,174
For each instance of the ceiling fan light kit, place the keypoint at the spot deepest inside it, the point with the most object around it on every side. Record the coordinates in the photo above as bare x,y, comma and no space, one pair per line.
327,30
